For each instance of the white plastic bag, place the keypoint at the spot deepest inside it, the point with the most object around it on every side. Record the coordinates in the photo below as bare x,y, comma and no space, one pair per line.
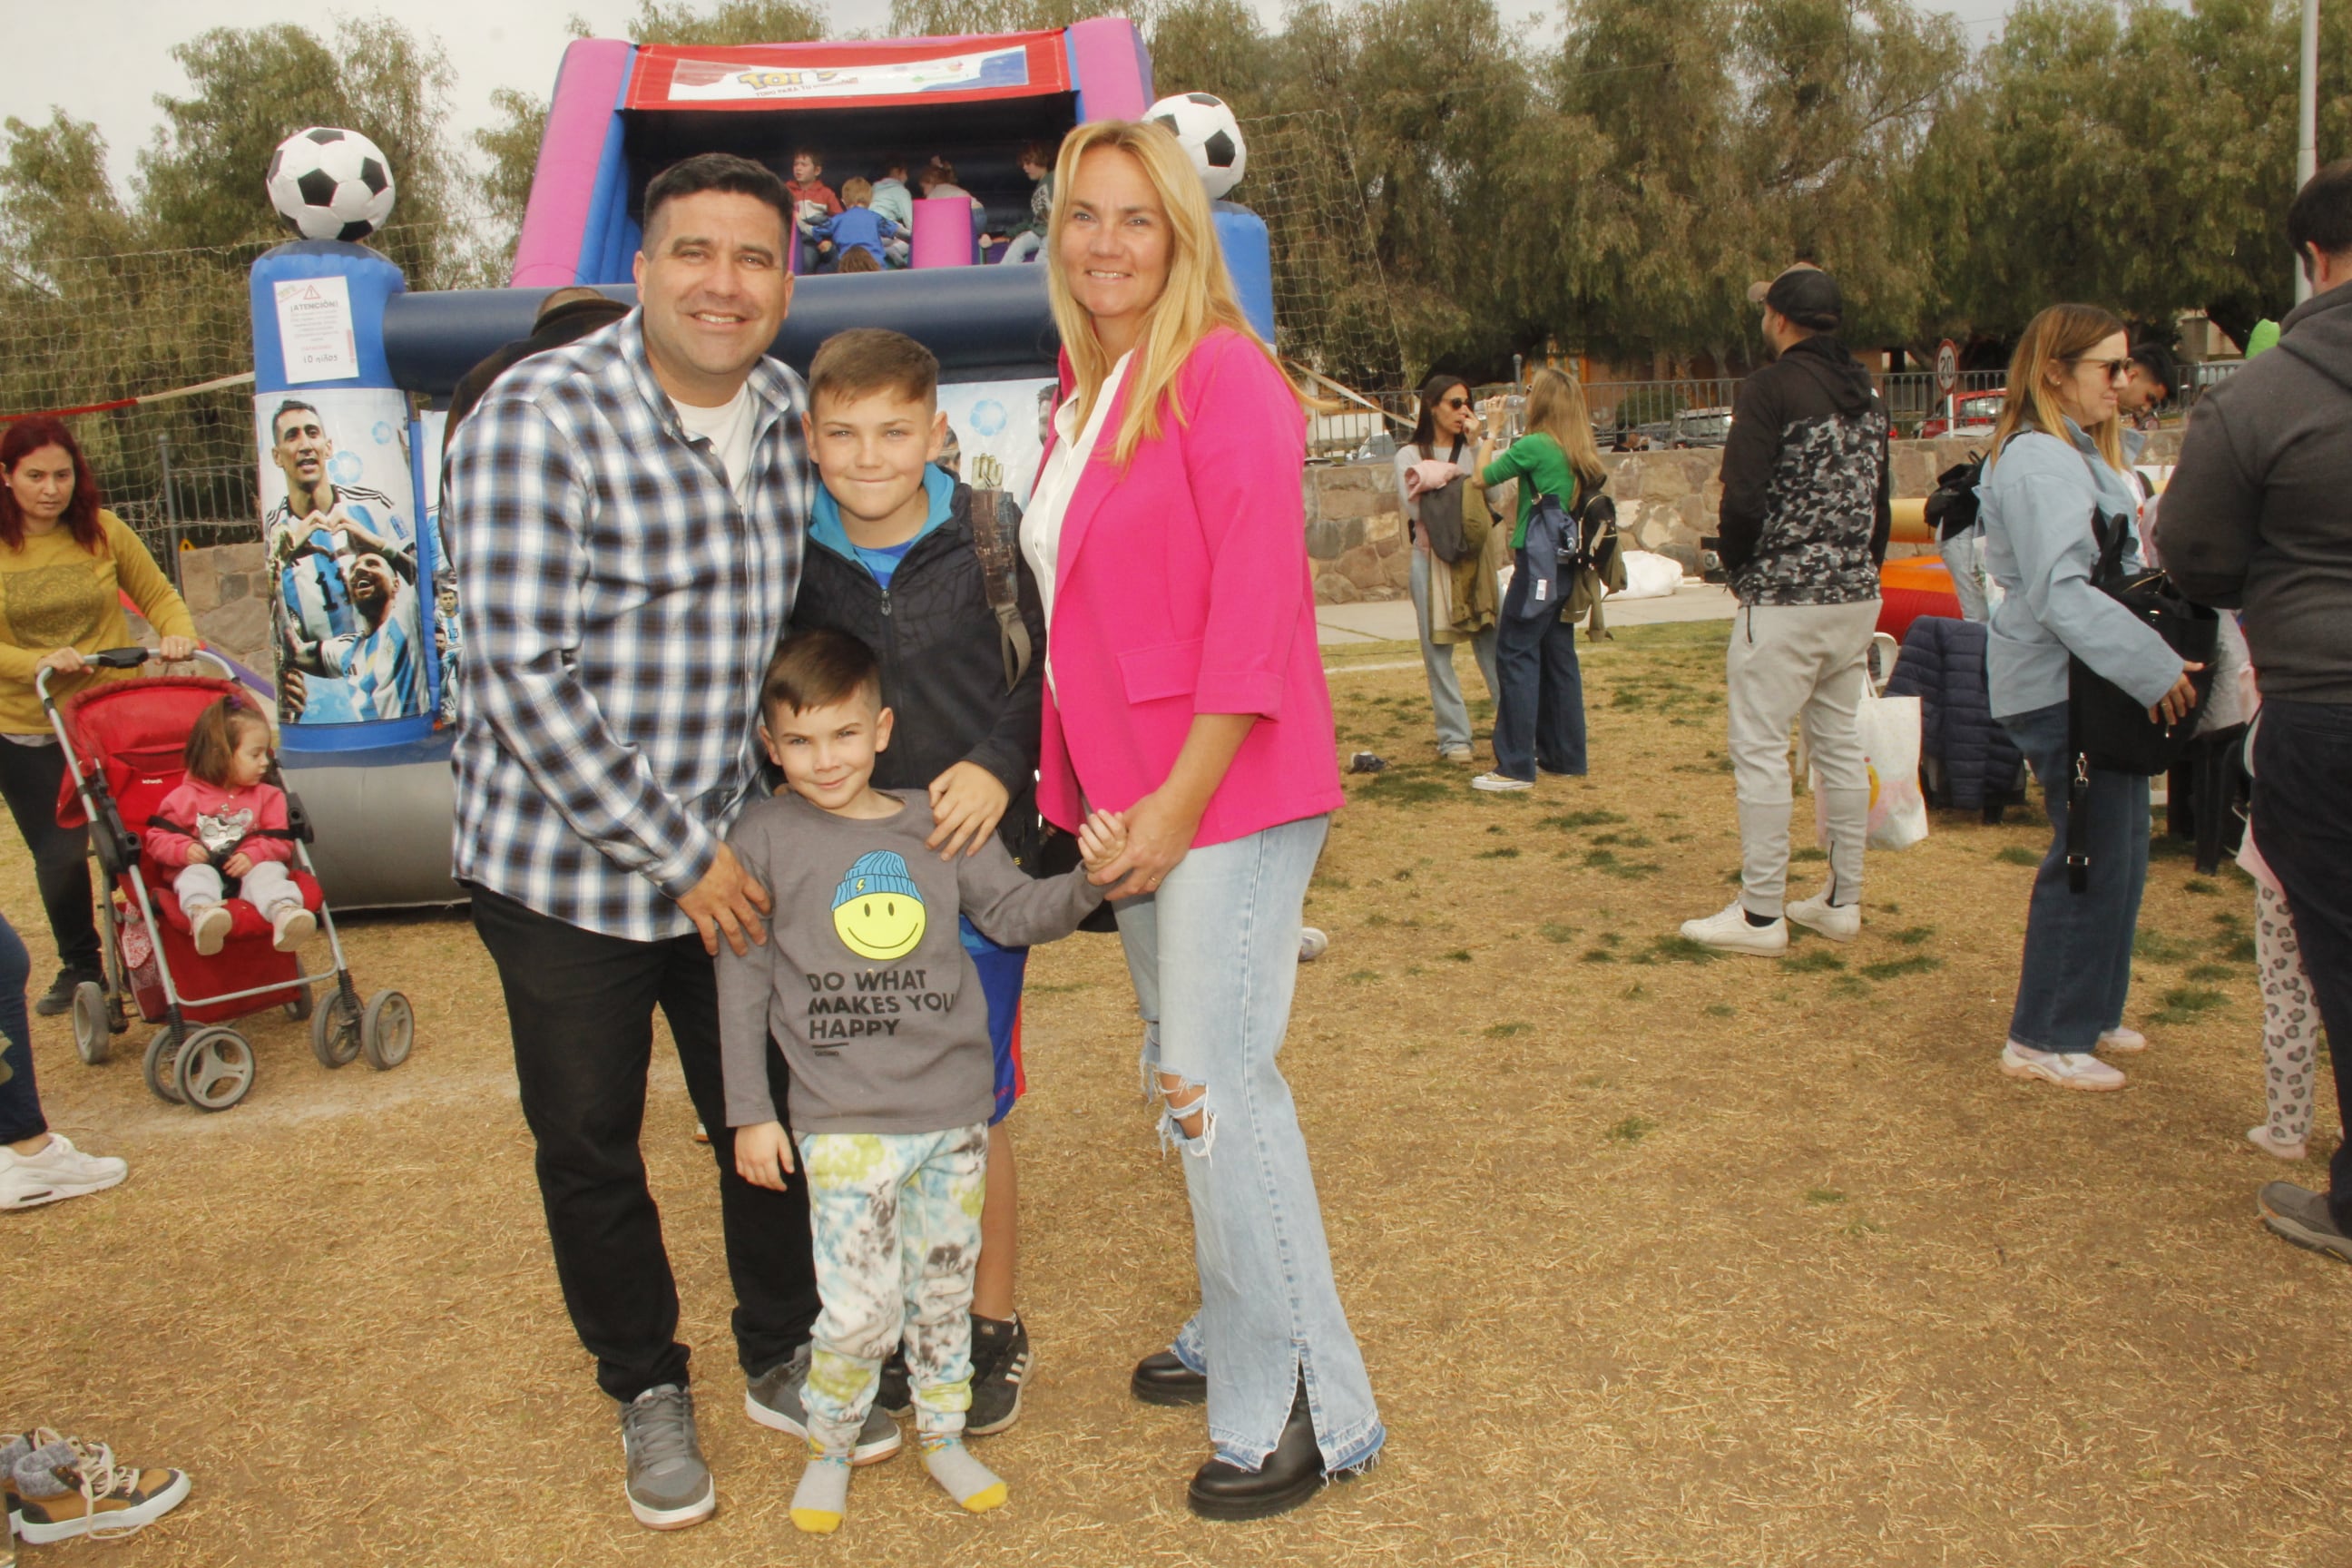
1890,745
1650,576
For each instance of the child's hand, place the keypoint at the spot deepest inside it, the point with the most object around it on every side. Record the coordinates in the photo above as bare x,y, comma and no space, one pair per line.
1102,838
967,802
199,856
762,1154
238,864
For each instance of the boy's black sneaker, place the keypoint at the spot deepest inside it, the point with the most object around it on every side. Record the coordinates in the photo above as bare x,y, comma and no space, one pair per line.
896,1396
1000,1363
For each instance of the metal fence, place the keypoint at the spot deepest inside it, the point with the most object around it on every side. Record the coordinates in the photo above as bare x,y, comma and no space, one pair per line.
1693,410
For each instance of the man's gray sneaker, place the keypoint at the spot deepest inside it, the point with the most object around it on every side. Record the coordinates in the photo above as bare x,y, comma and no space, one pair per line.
773,1399
2301,1215
669,1485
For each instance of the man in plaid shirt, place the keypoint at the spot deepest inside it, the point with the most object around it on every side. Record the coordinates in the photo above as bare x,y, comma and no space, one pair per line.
626,518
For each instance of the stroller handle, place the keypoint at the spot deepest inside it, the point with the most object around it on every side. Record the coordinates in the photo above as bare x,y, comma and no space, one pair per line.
126,659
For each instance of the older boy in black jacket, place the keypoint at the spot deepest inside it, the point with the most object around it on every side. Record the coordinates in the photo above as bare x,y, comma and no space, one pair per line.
893,562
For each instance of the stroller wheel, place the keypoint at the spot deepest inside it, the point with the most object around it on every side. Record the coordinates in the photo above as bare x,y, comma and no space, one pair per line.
163,1065
299,1009
215,1068
335,1030
388,1030
92,1039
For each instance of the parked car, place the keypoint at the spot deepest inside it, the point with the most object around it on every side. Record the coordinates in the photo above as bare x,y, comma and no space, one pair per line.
1700,427
1977,414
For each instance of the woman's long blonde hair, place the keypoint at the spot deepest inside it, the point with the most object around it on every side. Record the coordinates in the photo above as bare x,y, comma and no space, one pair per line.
1556,408
1199,297
2058,334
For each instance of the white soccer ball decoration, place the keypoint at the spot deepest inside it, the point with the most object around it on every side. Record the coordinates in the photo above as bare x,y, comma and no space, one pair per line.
331,184
1210,134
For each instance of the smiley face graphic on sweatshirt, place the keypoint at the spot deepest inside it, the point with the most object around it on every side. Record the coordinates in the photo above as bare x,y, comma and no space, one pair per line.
876,911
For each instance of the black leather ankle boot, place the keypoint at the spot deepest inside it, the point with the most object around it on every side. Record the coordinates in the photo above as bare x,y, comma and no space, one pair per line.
1161,1379
1291,1474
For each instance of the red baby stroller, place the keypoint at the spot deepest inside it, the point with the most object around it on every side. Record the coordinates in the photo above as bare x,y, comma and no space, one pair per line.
123,742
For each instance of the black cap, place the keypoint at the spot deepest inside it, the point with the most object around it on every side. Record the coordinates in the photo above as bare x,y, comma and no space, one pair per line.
1806,295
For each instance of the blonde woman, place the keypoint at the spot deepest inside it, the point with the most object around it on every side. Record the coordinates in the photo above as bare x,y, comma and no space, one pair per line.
1539,708
2058,454
1183,686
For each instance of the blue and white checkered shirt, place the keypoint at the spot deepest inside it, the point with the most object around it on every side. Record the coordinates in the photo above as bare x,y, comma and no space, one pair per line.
620,609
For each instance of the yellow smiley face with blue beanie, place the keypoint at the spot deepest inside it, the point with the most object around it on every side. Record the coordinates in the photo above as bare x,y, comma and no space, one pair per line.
875,909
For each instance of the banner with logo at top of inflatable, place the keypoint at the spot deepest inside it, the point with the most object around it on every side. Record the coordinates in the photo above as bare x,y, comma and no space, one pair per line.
848,75
339,532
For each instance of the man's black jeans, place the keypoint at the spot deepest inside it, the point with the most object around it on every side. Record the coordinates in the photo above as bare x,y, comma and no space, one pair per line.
2303,776
580,1009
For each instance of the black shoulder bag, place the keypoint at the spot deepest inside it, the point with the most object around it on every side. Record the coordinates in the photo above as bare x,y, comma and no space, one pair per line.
1440,513
2108,728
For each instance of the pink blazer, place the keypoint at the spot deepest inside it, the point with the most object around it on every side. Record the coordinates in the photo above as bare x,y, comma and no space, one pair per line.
1183,588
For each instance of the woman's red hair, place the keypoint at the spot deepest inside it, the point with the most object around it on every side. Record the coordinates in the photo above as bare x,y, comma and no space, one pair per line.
19,441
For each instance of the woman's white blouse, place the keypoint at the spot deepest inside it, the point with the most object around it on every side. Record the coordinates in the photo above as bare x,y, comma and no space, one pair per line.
1049,498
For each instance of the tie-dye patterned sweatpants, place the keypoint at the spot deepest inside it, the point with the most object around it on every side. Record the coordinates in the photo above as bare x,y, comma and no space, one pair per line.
895,1220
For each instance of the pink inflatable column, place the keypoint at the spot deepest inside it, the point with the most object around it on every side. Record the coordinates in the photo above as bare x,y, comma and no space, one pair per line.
942,232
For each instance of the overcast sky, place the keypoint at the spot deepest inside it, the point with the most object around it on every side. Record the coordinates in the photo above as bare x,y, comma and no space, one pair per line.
105,60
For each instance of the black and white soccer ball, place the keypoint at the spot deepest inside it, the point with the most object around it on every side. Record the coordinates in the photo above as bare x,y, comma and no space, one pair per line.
1210,134
331,184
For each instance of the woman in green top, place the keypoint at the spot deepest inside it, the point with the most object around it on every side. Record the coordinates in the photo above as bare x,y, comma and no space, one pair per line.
1539,712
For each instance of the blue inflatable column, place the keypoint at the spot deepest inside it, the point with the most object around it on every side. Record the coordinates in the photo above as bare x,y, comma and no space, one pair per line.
1249,259
353,566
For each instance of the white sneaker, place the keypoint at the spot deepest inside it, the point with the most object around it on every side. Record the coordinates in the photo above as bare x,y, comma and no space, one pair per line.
1500,784
1839,923
1312,943
2270,1142
59,1171
2067,1069
209,925
291,927
1454,753
2121,1040
1729,931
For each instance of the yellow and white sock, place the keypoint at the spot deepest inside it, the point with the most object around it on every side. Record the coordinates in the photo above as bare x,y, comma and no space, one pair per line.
973,1485
822,1497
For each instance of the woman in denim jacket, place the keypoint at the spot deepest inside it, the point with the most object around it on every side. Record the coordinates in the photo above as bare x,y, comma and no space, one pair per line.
2058,452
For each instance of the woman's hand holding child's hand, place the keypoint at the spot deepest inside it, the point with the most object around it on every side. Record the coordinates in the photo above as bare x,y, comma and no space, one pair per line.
762,1154
967,802
1102,838
238,864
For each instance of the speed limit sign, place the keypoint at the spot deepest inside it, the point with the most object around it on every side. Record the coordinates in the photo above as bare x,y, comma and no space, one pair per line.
1947,368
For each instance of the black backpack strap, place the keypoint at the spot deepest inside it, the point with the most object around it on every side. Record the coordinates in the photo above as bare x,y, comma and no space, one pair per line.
2077,785
996,539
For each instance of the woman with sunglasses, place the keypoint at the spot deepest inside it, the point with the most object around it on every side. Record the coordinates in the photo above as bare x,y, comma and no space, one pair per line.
1446,432
2058,452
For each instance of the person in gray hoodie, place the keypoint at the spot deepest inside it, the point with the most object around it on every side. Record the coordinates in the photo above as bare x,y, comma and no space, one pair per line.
2256,519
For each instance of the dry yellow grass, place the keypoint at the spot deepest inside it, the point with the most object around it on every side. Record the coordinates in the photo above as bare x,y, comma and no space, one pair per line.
1654,1260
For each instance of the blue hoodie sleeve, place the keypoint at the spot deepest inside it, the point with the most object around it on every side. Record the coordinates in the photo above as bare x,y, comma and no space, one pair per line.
2045,511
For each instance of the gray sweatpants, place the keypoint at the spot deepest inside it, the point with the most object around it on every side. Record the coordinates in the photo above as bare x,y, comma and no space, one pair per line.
1789,663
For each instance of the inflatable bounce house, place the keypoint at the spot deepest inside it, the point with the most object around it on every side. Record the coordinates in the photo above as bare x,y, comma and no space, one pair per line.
353,372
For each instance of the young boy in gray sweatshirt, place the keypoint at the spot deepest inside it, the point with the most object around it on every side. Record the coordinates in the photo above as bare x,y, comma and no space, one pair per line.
865,985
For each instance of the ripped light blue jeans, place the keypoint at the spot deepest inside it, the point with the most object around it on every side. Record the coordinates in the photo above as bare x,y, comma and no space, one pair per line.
1214,957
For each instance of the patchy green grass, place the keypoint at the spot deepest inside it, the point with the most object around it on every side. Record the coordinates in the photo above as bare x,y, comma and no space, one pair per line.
1605,861
1677,950
1364,977
1721,1010
1598,955
1824,1195
2203,886
2153,945
1459,955
1572,820
1911,936
1624,840
1506,852
1504,1031
2018,855
1807,854
1554,931
1888,969
1632,1129
2184,1004
2211,972
1814,960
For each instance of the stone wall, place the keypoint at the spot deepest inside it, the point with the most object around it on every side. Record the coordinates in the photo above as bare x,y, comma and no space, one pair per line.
227,591
1665,502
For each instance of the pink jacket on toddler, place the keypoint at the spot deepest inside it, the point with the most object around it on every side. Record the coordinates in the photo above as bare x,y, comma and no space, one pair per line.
220,819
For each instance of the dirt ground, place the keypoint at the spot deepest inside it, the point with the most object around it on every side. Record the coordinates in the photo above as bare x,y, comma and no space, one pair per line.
1654,1260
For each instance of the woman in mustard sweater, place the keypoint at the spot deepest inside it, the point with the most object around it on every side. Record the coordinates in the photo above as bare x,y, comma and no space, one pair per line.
64,565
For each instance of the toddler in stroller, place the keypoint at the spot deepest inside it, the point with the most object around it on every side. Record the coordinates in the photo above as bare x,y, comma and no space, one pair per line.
226,821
